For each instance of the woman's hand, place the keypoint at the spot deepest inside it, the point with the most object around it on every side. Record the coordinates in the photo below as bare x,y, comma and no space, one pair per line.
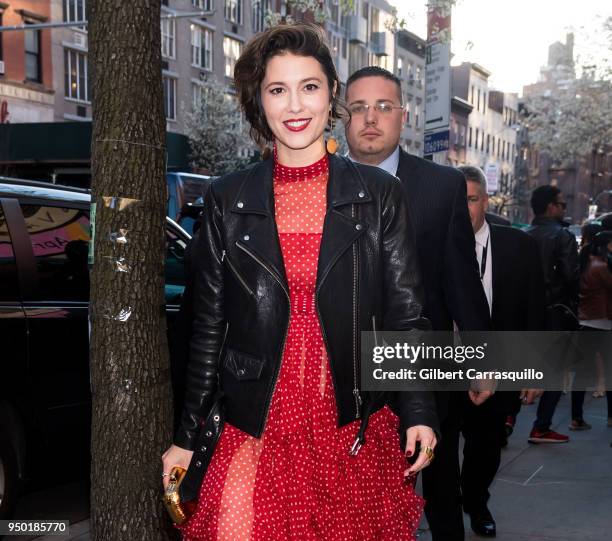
174,456
425,435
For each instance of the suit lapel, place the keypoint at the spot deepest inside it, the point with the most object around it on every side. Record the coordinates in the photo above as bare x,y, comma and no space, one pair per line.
498,263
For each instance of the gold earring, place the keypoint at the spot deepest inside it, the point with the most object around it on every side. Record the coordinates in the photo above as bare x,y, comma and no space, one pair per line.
331,145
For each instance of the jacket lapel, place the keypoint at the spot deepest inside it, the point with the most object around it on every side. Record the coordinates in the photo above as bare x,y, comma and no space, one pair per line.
341,229
259,236
497,262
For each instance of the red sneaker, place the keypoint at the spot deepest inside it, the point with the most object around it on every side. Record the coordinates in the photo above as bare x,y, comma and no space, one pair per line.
547,436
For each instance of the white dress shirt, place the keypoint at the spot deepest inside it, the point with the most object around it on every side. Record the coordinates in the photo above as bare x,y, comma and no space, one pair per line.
389,164
483,239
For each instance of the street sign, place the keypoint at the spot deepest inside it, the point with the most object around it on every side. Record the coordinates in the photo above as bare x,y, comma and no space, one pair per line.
492,174
437,67
437,142
437,86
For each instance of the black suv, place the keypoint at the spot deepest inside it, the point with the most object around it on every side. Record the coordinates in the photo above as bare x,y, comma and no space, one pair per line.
45,404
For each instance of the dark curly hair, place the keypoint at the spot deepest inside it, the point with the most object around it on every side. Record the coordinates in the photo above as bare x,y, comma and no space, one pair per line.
301,39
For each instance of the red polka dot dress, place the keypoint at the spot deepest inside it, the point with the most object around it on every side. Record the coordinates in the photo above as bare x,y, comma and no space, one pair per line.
298,481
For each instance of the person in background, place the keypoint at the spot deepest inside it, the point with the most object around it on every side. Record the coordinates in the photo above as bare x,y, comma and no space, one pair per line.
439,215
559,261
512,279
595,314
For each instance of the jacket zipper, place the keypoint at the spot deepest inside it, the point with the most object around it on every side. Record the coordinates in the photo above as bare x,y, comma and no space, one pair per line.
247,251
237,274
356,393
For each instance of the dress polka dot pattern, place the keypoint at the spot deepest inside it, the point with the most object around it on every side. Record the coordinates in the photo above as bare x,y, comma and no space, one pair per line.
298,481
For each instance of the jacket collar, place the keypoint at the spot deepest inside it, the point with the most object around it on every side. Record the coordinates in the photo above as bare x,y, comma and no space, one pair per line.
345,186
544,220
408,165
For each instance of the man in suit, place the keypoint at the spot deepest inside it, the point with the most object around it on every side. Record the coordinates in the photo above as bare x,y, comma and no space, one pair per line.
445,244
512,278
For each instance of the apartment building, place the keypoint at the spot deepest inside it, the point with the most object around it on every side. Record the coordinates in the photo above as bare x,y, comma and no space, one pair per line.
194,47
410,69
492,123
26,69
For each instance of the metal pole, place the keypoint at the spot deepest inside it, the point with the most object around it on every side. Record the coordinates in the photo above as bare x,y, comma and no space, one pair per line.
43,26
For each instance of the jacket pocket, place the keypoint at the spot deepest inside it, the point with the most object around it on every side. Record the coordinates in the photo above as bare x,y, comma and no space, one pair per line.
242,366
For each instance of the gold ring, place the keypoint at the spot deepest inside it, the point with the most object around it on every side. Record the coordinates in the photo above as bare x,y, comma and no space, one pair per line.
429,452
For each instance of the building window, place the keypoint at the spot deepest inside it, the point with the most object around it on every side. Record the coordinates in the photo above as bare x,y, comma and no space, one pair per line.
482,141
231,51
32,55
365,10
484,102
201,47
476,139
74,10
418,74
344,48
472,96
416,116
206,5
76,79
233,11
488,143
169,97
197,94
400,65
470,137
478,100
168,30
259,15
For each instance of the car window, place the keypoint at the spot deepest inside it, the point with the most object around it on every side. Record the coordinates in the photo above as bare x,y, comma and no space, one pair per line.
8,271
175,262
59,237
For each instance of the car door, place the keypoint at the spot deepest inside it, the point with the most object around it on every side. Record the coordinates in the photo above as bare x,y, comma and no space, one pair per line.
56,310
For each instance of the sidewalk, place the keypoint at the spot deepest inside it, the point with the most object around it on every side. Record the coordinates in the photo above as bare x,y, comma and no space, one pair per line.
560,492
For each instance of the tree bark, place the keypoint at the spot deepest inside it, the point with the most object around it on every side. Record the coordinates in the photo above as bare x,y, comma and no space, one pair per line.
130,381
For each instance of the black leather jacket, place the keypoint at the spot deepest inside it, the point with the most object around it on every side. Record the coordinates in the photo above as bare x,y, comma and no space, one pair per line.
559,257
367,277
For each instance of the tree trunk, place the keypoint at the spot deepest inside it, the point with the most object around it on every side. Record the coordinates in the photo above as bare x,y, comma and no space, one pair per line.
131,394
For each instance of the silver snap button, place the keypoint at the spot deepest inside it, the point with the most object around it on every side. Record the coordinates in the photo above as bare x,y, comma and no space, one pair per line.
216,418
208,433
358,227
198,464
203,448
241,372
246,237
240,204
361,194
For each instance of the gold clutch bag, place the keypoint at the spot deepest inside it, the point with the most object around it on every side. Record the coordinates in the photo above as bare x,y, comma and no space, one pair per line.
179,511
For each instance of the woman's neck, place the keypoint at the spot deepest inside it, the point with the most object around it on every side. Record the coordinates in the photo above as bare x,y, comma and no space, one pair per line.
302,157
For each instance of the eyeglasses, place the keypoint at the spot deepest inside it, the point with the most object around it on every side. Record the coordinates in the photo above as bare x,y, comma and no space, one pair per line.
383,107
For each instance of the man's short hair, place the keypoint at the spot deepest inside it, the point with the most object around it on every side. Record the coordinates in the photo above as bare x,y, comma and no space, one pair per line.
475,174
374,71
542,196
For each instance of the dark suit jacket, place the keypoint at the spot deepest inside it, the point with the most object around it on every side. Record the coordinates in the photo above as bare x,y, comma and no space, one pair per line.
519,299
518,281
445,244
